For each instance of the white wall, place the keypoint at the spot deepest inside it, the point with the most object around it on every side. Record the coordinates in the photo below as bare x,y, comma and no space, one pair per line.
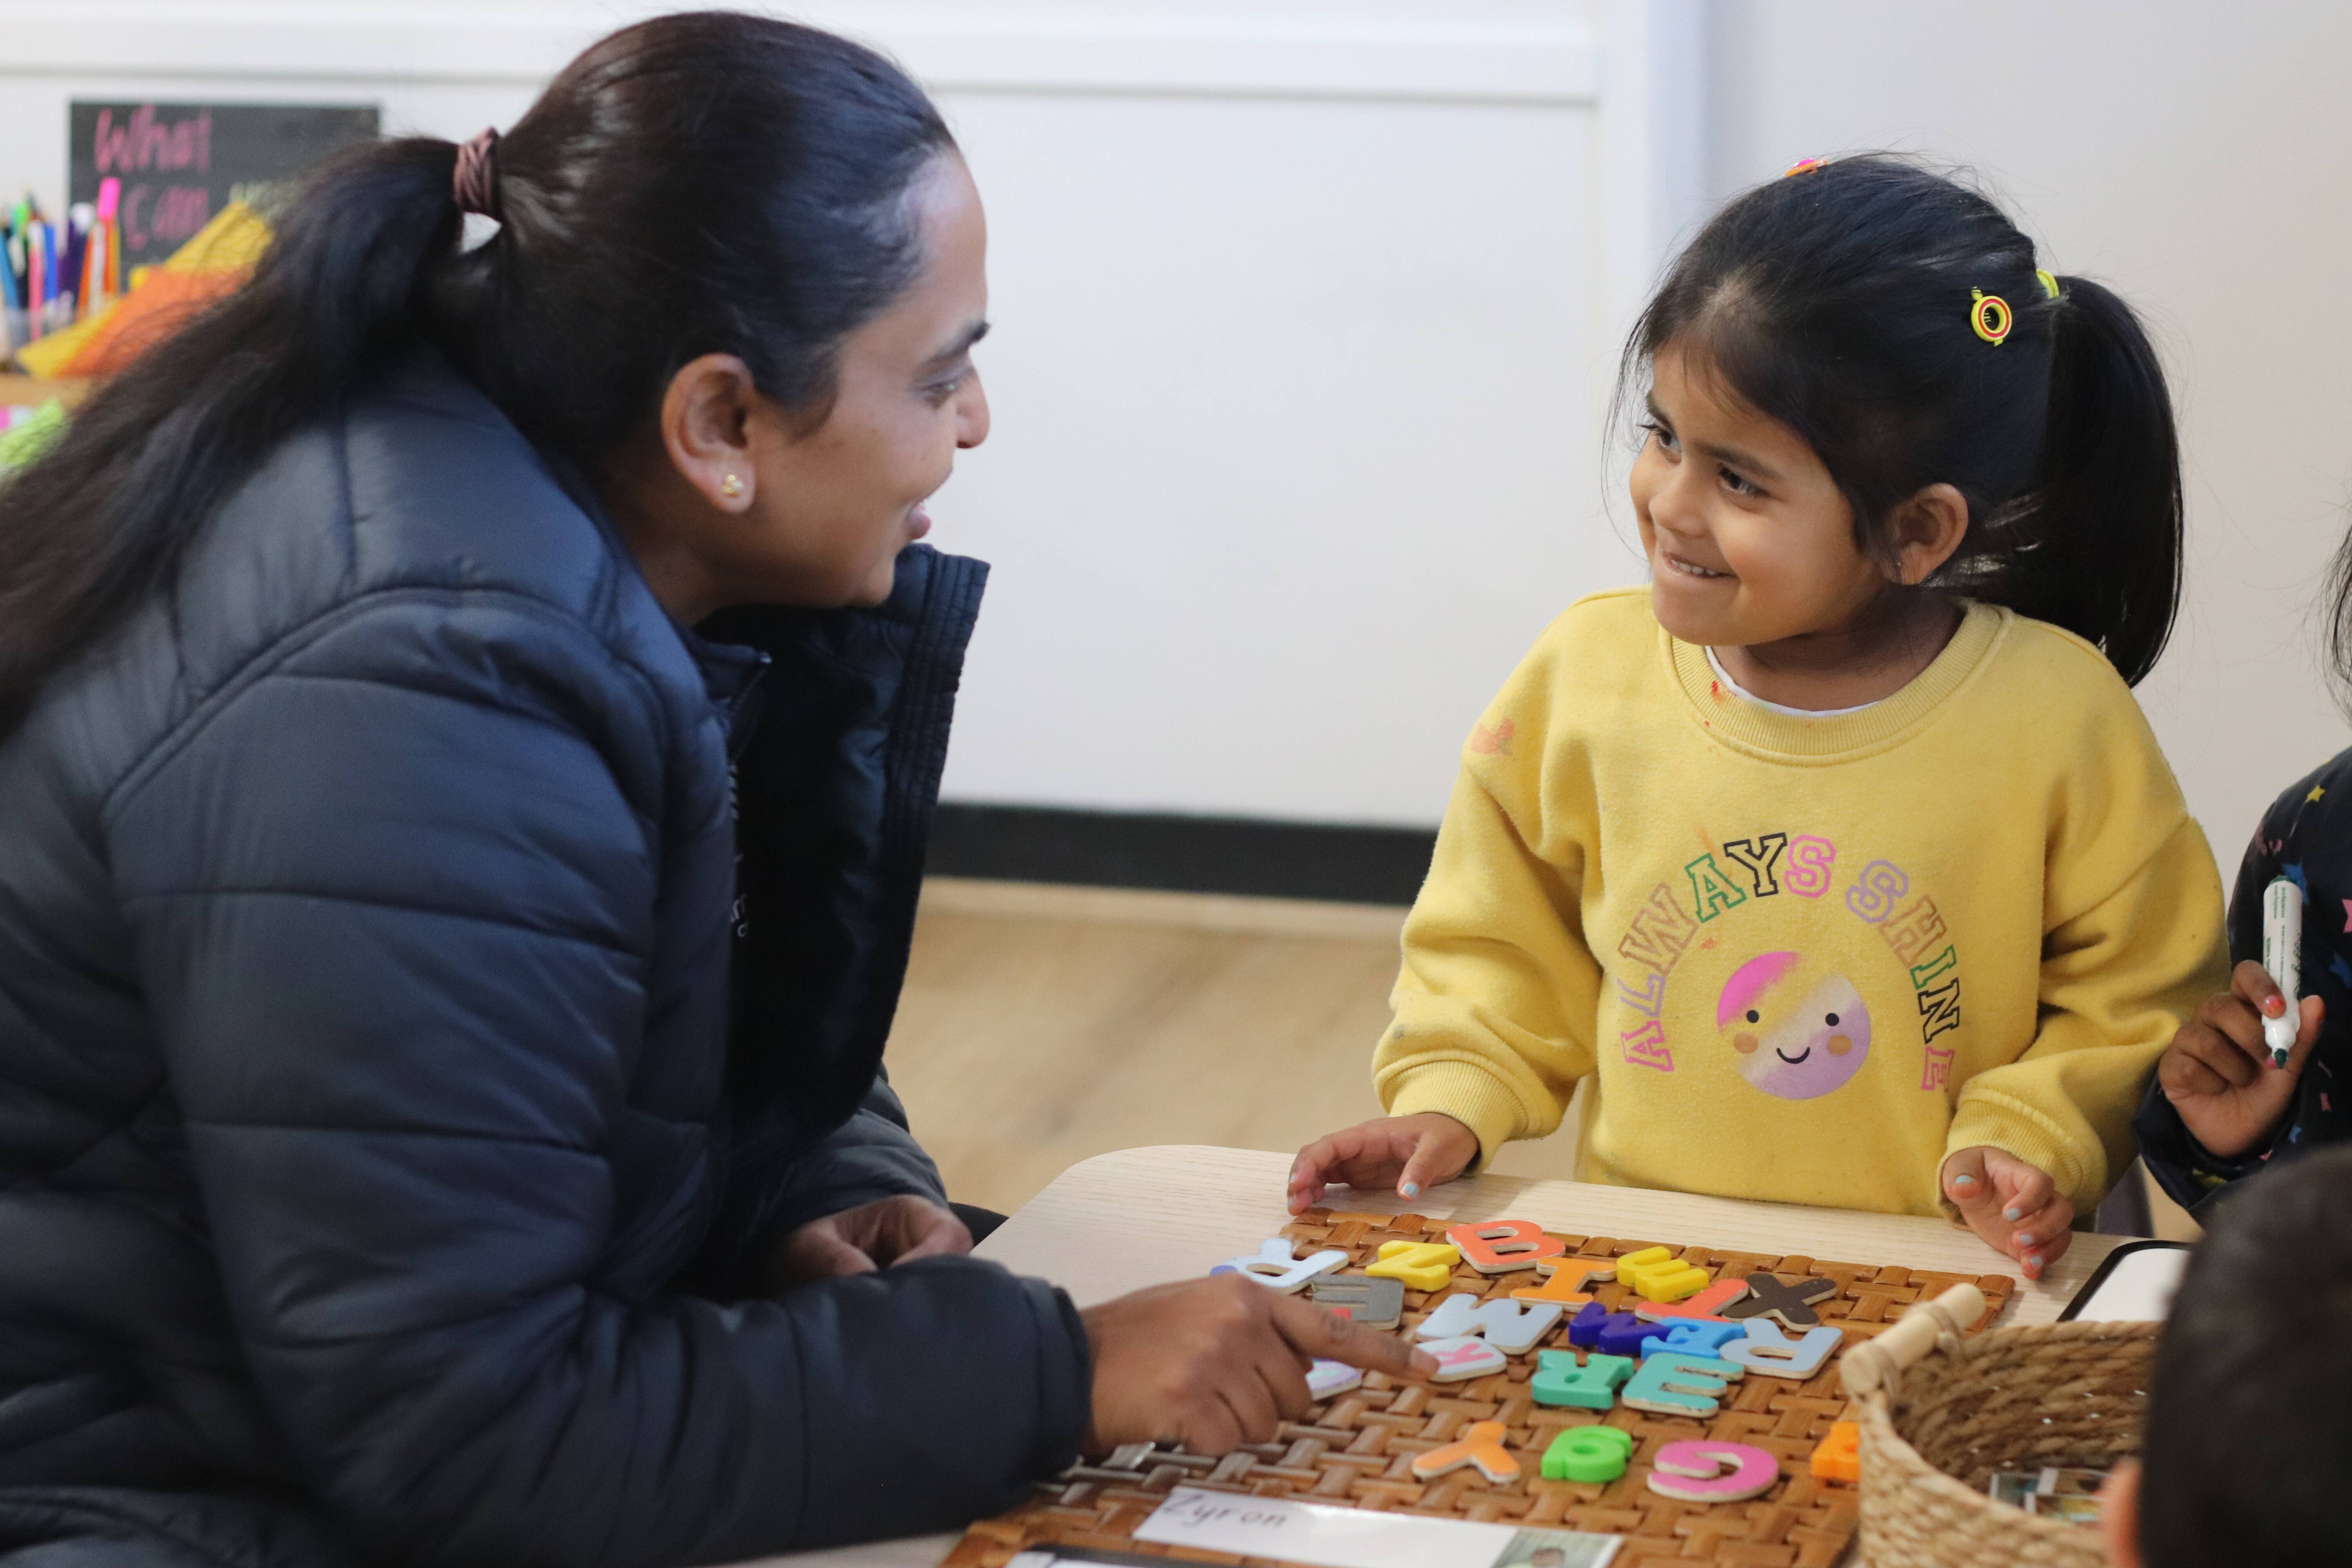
1302,312
1305,307
2192,156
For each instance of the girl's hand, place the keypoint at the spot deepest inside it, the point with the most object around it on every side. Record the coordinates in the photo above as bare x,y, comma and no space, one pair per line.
2217,1072
2014,1206
1414,1152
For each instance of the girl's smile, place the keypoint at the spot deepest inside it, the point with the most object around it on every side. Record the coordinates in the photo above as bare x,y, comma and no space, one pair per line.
1687,568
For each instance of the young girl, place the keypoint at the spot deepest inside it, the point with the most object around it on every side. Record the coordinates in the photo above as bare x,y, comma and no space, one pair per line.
1840,856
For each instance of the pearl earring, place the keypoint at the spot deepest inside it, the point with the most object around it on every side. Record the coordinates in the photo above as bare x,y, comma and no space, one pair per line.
730,487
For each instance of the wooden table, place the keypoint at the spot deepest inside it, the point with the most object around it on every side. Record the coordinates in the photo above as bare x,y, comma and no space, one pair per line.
1141,1217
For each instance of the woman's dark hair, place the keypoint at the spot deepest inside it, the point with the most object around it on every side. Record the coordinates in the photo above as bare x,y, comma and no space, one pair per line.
1838,300
704,183
2248,1442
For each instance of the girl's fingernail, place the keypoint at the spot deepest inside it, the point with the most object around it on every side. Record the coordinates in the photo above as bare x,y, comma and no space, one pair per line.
1411,1189
2034,1262
1964,1180
2012,1214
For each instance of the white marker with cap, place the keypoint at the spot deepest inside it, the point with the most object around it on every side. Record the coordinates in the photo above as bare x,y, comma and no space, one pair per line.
2282,956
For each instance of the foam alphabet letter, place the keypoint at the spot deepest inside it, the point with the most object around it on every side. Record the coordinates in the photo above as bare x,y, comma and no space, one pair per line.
1422,1265
1589,1454
1624,1334
1707,1304
1670,1281
1592,1386
1678,1385
1458,1361
1326,1378
1658,1275
1792,1304
1481,1445
1584,1329
1633,1263
1697,1339
1563,1281
1500,1246
1511,1327
1371,1303
1769,1350
1839,1459
1275,1268
1700,1469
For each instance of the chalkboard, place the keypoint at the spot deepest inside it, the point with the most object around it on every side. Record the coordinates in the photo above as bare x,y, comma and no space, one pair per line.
182,163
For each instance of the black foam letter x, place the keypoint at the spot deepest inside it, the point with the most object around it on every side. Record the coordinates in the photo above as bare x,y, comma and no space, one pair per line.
1792,1304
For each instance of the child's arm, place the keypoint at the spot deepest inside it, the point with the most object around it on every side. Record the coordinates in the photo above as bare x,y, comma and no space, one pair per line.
2218,1076
1495,1000
2046,1135
2218,1104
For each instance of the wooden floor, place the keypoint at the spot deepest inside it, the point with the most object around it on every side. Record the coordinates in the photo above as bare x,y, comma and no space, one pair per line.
1043,1025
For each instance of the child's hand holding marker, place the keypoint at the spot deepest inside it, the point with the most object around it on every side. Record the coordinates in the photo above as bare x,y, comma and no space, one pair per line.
2218,1072
2014,1206
1415,1152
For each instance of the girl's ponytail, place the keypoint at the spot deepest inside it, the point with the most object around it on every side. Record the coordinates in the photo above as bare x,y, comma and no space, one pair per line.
2106,508
88,530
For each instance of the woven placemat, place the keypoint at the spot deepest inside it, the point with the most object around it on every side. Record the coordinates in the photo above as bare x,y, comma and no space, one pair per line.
1356,1449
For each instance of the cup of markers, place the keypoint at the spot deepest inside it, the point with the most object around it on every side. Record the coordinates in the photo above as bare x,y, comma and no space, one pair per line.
53,275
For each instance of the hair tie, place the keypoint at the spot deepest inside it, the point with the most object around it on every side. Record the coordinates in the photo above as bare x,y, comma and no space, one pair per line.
2049,283
475,183
1989,315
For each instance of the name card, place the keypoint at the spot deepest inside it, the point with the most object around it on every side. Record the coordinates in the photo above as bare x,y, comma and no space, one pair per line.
1325,1537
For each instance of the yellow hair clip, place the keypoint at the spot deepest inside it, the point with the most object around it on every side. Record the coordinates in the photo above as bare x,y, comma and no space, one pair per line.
1803,166
2049,283
1989,315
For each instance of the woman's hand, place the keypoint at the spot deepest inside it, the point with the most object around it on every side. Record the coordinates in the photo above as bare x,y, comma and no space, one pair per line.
1213,1363
868,1237
2014,1206
1414,1152
2217,1072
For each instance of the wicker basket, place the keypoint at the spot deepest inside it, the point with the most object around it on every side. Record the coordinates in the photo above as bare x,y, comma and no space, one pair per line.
1940,1413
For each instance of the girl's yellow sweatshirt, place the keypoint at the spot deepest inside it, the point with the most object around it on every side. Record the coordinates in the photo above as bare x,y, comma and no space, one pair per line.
1806,957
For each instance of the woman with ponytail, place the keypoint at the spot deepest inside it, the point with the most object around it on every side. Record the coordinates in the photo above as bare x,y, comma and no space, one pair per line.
1840,856
469,718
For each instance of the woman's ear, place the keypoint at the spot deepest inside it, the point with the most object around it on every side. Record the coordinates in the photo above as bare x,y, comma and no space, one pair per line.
1927,528
705,427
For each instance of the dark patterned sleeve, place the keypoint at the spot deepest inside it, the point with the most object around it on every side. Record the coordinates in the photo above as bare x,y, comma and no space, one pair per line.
2306,835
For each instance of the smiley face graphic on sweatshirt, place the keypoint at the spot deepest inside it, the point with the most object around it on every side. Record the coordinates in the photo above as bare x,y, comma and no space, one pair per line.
1794,1033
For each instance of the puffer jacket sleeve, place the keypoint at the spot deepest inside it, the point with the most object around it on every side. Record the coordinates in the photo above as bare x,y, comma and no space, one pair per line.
872,1155
400,970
